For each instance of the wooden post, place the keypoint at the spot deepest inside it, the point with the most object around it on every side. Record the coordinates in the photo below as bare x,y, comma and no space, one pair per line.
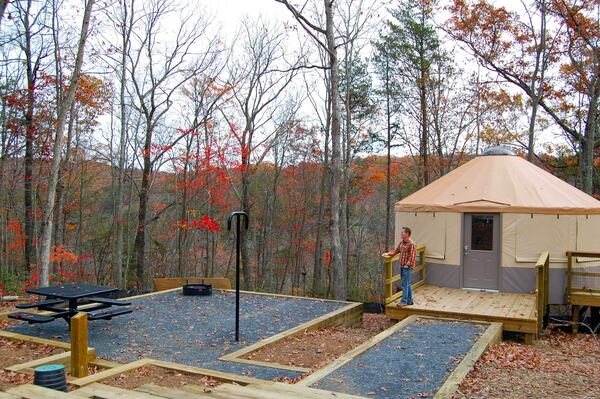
575,310
388,291
569,275
422,262
79,345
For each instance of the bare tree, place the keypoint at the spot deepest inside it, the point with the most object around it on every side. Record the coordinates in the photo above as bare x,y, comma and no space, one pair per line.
325,38
63,110
156,77
263,74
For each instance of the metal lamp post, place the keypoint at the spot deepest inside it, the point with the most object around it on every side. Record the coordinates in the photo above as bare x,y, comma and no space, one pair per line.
237,215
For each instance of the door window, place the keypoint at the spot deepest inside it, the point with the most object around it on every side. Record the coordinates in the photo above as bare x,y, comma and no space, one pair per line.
482,233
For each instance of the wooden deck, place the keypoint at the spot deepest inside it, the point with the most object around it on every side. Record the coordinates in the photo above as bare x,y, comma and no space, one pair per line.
517,312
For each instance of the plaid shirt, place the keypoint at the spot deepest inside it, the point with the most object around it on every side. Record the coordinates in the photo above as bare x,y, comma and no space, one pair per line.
408,253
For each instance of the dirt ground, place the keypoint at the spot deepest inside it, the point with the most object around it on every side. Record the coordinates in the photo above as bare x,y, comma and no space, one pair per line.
14,352
159,376
557,366
315,349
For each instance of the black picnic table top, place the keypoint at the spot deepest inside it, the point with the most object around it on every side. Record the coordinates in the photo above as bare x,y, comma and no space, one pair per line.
72,291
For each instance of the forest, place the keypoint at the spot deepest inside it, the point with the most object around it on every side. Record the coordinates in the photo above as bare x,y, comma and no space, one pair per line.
131,129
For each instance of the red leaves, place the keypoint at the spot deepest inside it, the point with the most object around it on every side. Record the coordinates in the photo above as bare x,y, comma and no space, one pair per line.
206,223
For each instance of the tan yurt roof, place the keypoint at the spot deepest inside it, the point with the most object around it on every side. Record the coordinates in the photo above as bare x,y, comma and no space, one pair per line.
500,183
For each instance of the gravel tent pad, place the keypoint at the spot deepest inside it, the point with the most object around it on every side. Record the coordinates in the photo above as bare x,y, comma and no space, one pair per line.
193,330
413,362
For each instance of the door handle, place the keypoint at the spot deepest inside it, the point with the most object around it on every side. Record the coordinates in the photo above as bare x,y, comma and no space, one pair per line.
466,250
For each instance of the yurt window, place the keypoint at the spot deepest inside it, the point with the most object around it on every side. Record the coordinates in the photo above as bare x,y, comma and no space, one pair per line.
482,233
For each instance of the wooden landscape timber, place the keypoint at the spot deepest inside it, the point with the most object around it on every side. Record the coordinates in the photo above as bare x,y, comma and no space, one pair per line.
168,283
492,336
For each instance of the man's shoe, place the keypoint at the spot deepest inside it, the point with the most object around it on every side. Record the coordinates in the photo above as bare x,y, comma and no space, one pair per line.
401,304
411,303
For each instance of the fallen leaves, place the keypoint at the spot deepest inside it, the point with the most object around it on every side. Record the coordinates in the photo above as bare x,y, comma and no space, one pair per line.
559,366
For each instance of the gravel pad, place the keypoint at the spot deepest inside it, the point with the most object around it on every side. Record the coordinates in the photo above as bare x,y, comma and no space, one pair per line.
414,362
193,330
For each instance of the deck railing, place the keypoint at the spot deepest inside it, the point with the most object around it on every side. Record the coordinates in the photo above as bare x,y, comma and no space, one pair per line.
572,286
583,282
391,278
542,268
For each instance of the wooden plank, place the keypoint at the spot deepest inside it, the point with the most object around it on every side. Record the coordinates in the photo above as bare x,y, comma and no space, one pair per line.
586,274
584,254
278,391
271,365
492,335
27,338
79,345
585,299
393,279
5,395
289,296
102,391
344,316
58,358
348,356
102,375
30,391
105,364
217,375
203,392
163,284
171,393
302,391
517,325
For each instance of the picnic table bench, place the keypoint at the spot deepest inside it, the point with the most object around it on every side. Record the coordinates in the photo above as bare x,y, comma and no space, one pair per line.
97,306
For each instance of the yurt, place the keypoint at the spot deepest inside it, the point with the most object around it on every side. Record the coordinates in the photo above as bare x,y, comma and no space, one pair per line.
485,224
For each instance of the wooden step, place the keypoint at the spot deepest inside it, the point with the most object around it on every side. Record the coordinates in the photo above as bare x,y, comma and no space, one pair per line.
5,395
103,391
30,391
202,391
301,391
173,393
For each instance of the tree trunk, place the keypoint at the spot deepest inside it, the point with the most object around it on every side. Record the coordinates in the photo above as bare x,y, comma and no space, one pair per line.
140,236
245,202
587,146
29,138
63,110
339,269
388,177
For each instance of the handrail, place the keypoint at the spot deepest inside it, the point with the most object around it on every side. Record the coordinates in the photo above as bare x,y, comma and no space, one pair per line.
570,273
580,295
542,283
390,278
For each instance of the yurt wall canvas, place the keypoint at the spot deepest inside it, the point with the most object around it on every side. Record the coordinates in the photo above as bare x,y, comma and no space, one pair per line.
440,233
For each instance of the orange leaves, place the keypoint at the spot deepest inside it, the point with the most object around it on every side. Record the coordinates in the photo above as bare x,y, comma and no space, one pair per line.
60,254
17,241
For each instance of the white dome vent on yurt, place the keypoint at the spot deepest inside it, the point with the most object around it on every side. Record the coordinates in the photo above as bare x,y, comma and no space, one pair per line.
498,150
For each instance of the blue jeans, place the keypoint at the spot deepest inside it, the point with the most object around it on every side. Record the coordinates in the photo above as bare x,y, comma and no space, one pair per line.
406,275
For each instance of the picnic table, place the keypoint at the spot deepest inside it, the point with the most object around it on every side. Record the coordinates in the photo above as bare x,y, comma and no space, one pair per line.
65,301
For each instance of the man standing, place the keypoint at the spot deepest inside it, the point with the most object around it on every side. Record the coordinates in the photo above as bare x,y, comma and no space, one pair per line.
408,257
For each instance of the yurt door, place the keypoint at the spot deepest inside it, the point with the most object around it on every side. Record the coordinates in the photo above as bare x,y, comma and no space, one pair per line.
481,260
